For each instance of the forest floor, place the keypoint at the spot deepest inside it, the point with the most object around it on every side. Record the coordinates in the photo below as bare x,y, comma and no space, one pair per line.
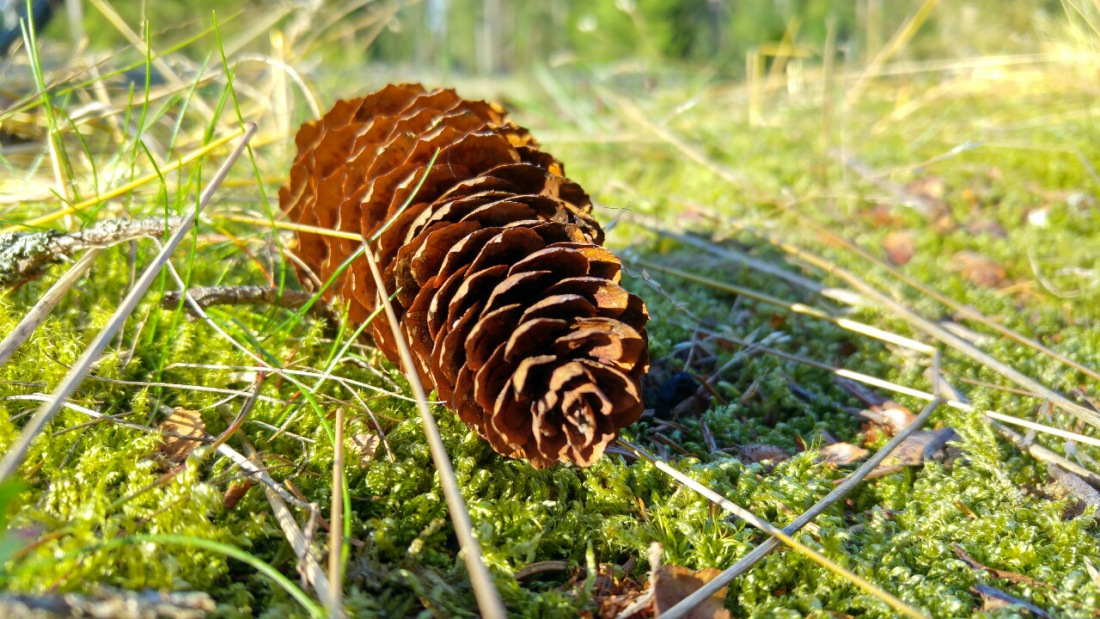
807,248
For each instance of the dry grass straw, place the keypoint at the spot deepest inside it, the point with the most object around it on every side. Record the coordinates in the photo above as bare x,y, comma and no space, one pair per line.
336,523
795,308
488,598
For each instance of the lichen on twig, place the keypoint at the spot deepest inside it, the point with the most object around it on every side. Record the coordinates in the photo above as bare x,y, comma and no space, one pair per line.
24,254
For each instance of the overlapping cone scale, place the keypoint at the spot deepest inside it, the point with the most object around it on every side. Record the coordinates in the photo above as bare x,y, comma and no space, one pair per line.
511,306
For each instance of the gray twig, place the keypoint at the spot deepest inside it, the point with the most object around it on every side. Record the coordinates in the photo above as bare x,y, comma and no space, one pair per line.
207,296
105,602
23,254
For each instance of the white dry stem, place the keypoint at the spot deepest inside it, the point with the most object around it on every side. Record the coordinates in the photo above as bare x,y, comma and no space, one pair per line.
934,330
795,308
336,522
18,451
1039,427
488,598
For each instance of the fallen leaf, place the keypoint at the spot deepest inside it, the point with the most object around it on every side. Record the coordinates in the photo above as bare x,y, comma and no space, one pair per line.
978,269
841,454
178,434
991,227
235,492
611,588
1064,483
540,567
365,445
896,416
881,216
672,583
993,599
899,248
930,187
924,445
759,452
996,573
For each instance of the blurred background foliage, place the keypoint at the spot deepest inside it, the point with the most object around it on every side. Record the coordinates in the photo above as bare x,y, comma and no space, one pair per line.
486,37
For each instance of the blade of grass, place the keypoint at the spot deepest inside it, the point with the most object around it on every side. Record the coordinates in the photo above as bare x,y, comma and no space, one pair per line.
58,155
17,452
896,43
232,552
114,193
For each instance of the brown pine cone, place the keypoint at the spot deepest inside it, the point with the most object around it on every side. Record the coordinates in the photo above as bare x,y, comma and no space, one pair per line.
512,308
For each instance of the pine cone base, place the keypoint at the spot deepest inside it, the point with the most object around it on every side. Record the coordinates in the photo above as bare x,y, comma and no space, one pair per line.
511,306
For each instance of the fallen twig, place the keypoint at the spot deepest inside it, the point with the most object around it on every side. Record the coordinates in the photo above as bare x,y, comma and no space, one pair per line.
24,254
208,296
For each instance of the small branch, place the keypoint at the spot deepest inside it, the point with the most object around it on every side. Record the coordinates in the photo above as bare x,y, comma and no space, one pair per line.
24,254
208,296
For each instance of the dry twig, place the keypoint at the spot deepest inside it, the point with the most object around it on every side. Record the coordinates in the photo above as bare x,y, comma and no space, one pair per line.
24,254
208,296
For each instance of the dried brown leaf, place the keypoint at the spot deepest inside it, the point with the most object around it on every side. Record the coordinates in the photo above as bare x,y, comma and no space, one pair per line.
924,445
994,599
899,247
673,583
181,424
930,187
896,416
364,446
235,492
996,573
759,452
978,269
842,454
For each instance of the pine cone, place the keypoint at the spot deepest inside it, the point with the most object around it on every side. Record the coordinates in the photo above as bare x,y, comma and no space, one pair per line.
512,308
